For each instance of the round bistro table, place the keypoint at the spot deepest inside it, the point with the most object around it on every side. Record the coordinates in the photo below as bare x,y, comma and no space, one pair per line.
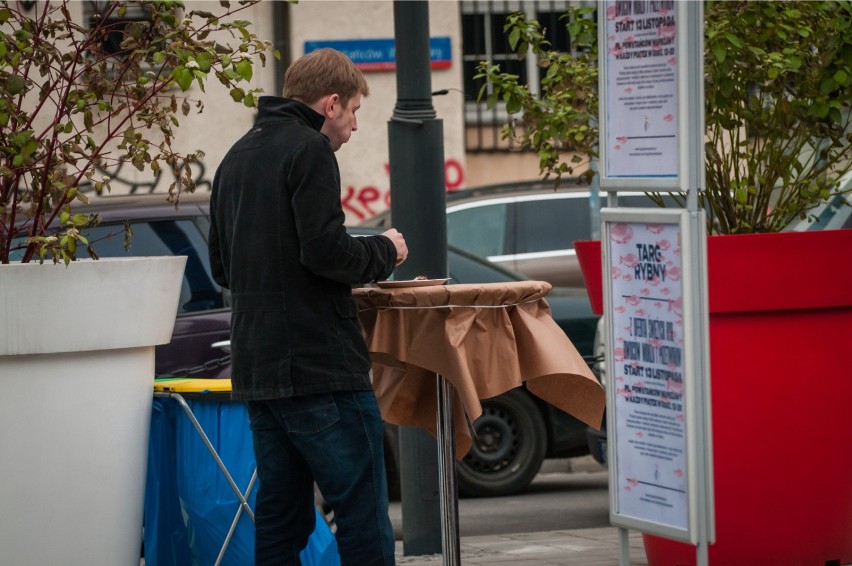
475,341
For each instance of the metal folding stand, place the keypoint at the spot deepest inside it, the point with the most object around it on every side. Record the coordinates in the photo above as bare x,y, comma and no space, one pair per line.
165,390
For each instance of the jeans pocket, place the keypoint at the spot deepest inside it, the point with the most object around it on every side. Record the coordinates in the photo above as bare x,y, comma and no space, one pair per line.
256,411
311,414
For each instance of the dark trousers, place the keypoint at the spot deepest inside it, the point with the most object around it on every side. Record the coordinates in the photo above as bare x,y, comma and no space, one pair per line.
335,440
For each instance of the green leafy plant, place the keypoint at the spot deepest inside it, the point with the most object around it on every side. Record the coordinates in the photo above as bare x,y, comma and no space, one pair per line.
778,99
76,98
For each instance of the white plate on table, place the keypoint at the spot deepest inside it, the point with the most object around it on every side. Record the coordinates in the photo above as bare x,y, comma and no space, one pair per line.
410,283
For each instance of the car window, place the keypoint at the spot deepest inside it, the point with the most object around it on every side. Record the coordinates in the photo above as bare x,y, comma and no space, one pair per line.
481,230
545,225
167,237
834,214
468,269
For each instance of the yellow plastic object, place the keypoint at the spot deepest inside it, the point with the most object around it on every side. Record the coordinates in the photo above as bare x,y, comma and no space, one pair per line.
182,385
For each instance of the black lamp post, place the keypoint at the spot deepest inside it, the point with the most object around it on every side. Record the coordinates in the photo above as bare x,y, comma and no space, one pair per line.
418,208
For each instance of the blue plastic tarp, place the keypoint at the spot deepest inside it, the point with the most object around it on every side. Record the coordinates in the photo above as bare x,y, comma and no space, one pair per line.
189,504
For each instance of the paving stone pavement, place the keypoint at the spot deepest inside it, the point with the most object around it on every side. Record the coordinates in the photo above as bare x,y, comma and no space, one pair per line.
581,547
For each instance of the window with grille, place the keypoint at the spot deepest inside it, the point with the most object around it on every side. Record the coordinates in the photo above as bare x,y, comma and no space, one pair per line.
112,22
483,39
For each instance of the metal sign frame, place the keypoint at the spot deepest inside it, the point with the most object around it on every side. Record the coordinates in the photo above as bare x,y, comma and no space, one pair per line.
695,525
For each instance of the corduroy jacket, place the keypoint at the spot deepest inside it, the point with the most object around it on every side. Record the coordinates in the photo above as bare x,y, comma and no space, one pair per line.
278,242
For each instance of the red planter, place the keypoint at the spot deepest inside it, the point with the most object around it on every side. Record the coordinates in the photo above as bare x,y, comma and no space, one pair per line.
780,320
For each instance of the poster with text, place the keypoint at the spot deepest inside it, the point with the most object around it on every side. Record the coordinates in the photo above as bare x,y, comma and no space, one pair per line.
647,331
641,106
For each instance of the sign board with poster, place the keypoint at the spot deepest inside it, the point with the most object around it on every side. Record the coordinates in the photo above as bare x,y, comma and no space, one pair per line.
639,83
656,399
652,132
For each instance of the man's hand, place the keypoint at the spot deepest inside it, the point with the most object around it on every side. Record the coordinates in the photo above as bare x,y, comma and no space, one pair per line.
399,243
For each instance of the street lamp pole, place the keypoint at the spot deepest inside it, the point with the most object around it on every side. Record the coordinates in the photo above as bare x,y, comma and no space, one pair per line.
418,209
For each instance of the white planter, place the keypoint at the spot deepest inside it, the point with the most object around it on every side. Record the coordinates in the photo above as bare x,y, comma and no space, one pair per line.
76,376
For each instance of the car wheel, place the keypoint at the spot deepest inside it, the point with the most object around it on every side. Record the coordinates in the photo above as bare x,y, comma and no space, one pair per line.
508,448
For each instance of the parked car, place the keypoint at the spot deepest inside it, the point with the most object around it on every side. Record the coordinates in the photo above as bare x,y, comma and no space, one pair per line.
596,438
527,227
836,213
517,430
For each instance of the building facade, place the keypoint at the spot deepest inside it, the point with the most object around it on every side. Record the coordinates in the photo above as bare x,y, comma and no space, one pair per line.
462,34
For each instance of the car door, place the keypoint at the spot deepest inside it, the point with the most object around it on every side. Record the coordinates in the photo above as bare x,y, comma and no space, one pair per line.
546,228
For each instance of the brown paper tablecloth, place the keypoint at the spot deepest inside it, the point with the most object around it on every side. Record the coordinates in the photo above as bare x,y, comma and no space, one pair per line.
484,339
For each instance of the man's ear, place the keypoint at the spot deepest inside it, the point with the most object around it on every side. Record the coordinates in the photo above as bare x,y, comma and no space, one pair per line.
329,103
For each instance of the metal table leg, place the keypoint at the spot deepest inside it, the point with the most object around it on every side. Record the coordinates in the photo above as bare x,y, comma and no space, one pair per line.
447,475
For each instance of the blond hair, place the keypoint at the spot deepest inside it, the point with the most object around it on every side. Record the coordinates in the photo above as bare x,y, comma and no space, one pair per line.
323,72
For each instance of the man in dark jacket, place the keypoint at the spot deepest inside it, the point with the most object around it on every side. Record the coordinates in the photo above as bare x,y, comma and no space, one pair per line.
277,241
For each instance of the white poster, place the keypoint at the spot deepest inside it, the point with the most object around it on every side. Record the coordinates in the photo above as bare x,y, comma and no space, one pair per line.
641,106
647,332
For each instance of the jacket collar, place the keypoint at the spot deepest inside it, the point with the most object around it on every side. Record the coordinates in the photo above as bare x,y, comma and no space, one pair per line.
271,108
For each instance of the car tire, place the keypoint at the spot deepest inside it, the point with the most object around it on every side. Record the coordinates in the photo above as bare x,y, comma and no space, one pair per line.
508,449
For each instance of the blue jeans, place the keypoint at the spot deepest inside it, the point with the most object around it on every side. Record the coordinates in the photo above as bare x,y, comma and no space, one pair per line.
333,439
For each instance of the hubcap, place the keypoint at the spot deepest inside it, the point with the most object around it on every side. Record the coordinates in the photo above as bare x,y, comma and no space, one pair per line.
494,445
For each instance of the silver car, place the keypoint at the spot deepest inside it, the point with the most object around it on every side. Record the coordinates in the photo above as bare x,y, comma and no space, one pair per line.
526,227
